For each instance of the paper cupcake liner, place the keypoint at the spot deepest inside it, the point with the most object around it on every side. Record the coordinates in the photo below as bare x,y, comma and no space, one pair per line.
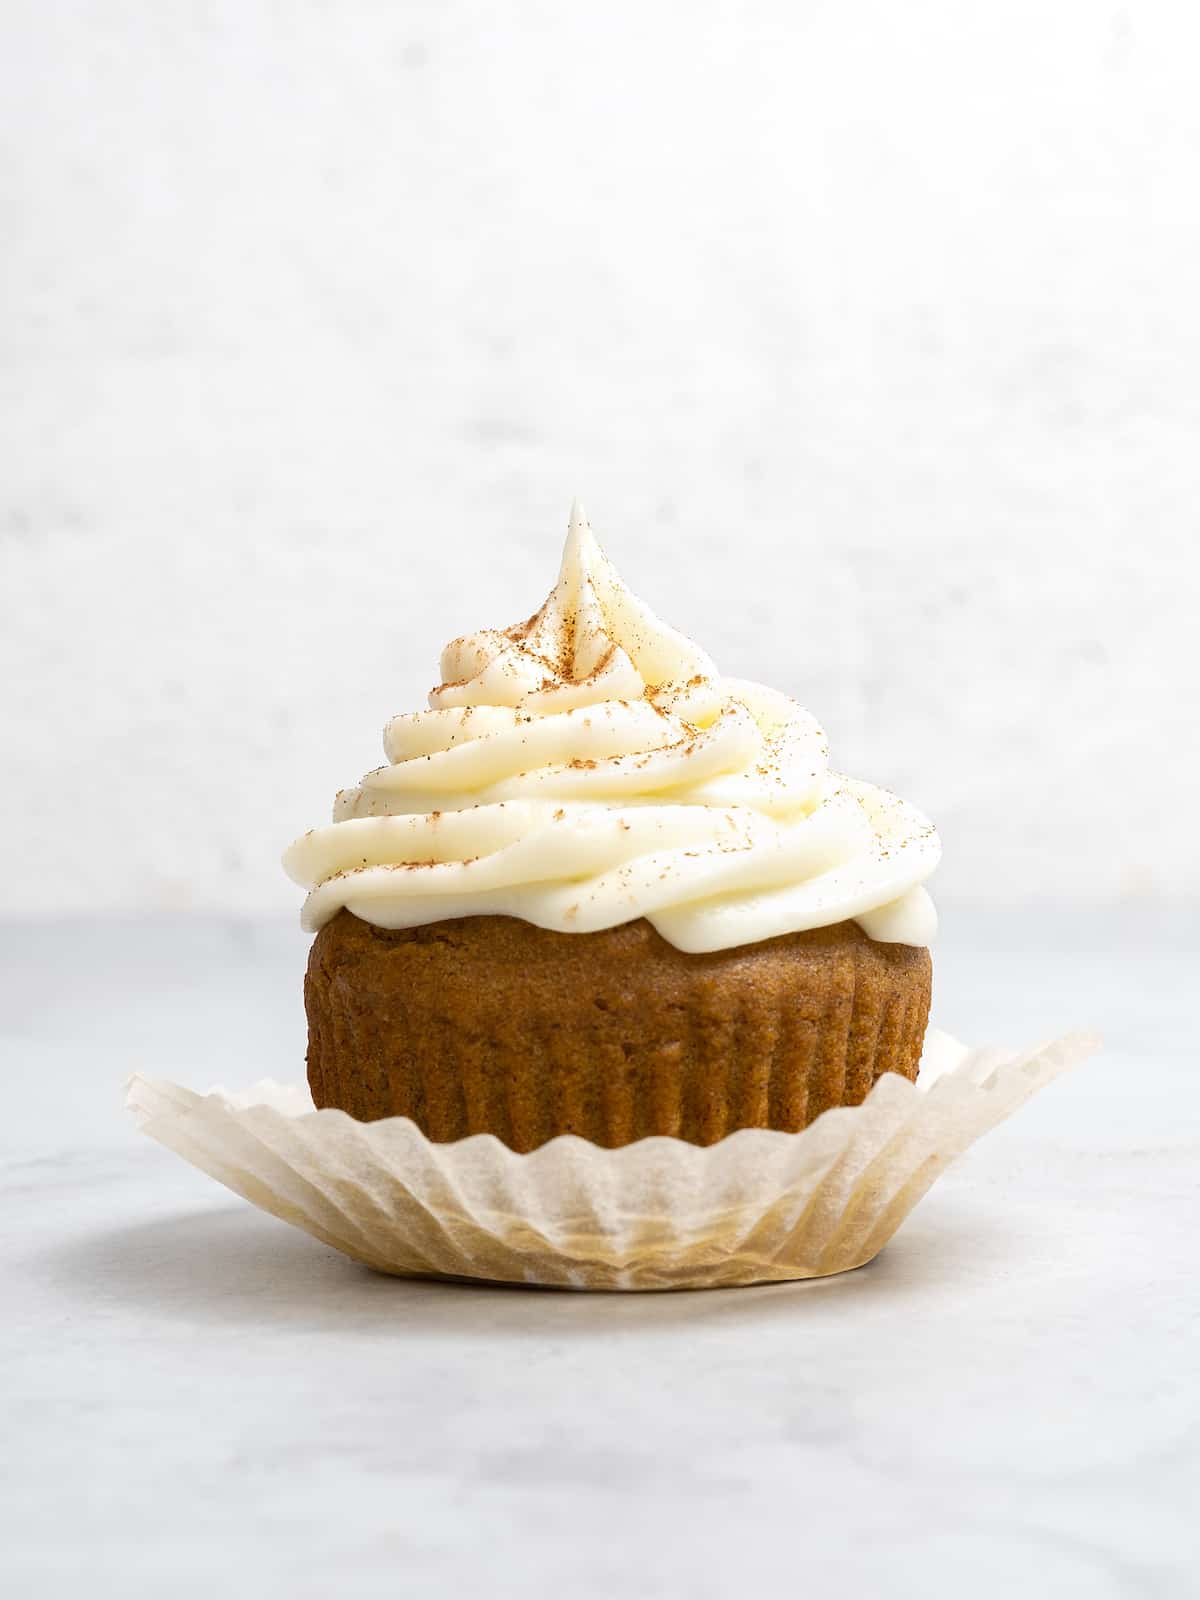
759,1206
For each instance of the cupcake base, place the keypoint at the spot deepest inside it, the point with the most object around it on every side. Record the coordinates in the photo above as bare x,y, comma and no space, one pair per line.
492,1025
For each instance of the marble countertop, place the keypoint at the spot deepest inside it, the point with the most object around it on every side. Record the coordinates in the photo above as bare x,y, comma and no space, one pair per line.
198,1399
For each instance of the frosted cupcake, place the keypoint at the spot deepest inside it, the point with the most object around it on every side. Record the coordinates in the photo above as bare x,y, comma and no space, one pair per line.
599,889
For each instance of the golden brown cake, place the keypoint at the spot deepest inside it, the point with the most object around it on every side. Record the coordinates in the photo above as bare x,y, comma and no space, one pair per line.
492,1025
600,889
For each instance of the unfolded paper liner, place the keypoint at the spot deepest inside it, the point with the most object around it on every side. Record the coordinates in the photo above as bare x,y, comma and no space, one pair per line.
759,1206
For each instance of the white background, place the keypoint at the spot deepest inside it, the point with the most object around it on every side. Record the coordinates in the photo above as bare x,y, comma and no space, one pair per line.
869,335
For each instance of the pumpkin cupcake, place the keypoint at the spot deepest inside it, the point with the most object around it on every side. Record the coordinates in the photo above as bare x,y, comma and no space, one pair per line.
599,889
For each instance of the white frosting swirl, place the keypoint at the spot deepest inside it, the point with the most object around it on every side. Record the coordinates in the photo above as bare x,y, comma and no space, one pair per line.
590,766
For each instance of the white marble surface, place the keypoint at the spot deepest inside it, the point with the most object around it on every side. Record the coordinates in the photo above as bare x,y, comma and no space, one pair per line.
199,1400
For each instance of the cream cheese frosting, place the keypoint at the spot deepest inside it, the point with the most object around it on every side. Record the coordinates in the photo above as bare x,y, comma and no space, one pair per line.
590,766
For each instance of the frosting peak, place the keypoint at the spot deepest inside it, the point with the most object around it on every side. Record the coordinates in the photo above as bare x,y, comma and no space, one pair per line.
591,641
590,766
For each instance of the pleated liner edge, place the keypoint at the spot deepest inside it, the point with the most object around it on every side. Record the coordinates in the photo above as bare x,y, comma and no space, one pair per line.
759,1206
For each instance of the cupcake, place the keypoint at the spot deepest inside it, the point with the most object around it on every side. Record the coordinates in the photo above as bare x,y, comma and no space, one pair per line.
599,889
